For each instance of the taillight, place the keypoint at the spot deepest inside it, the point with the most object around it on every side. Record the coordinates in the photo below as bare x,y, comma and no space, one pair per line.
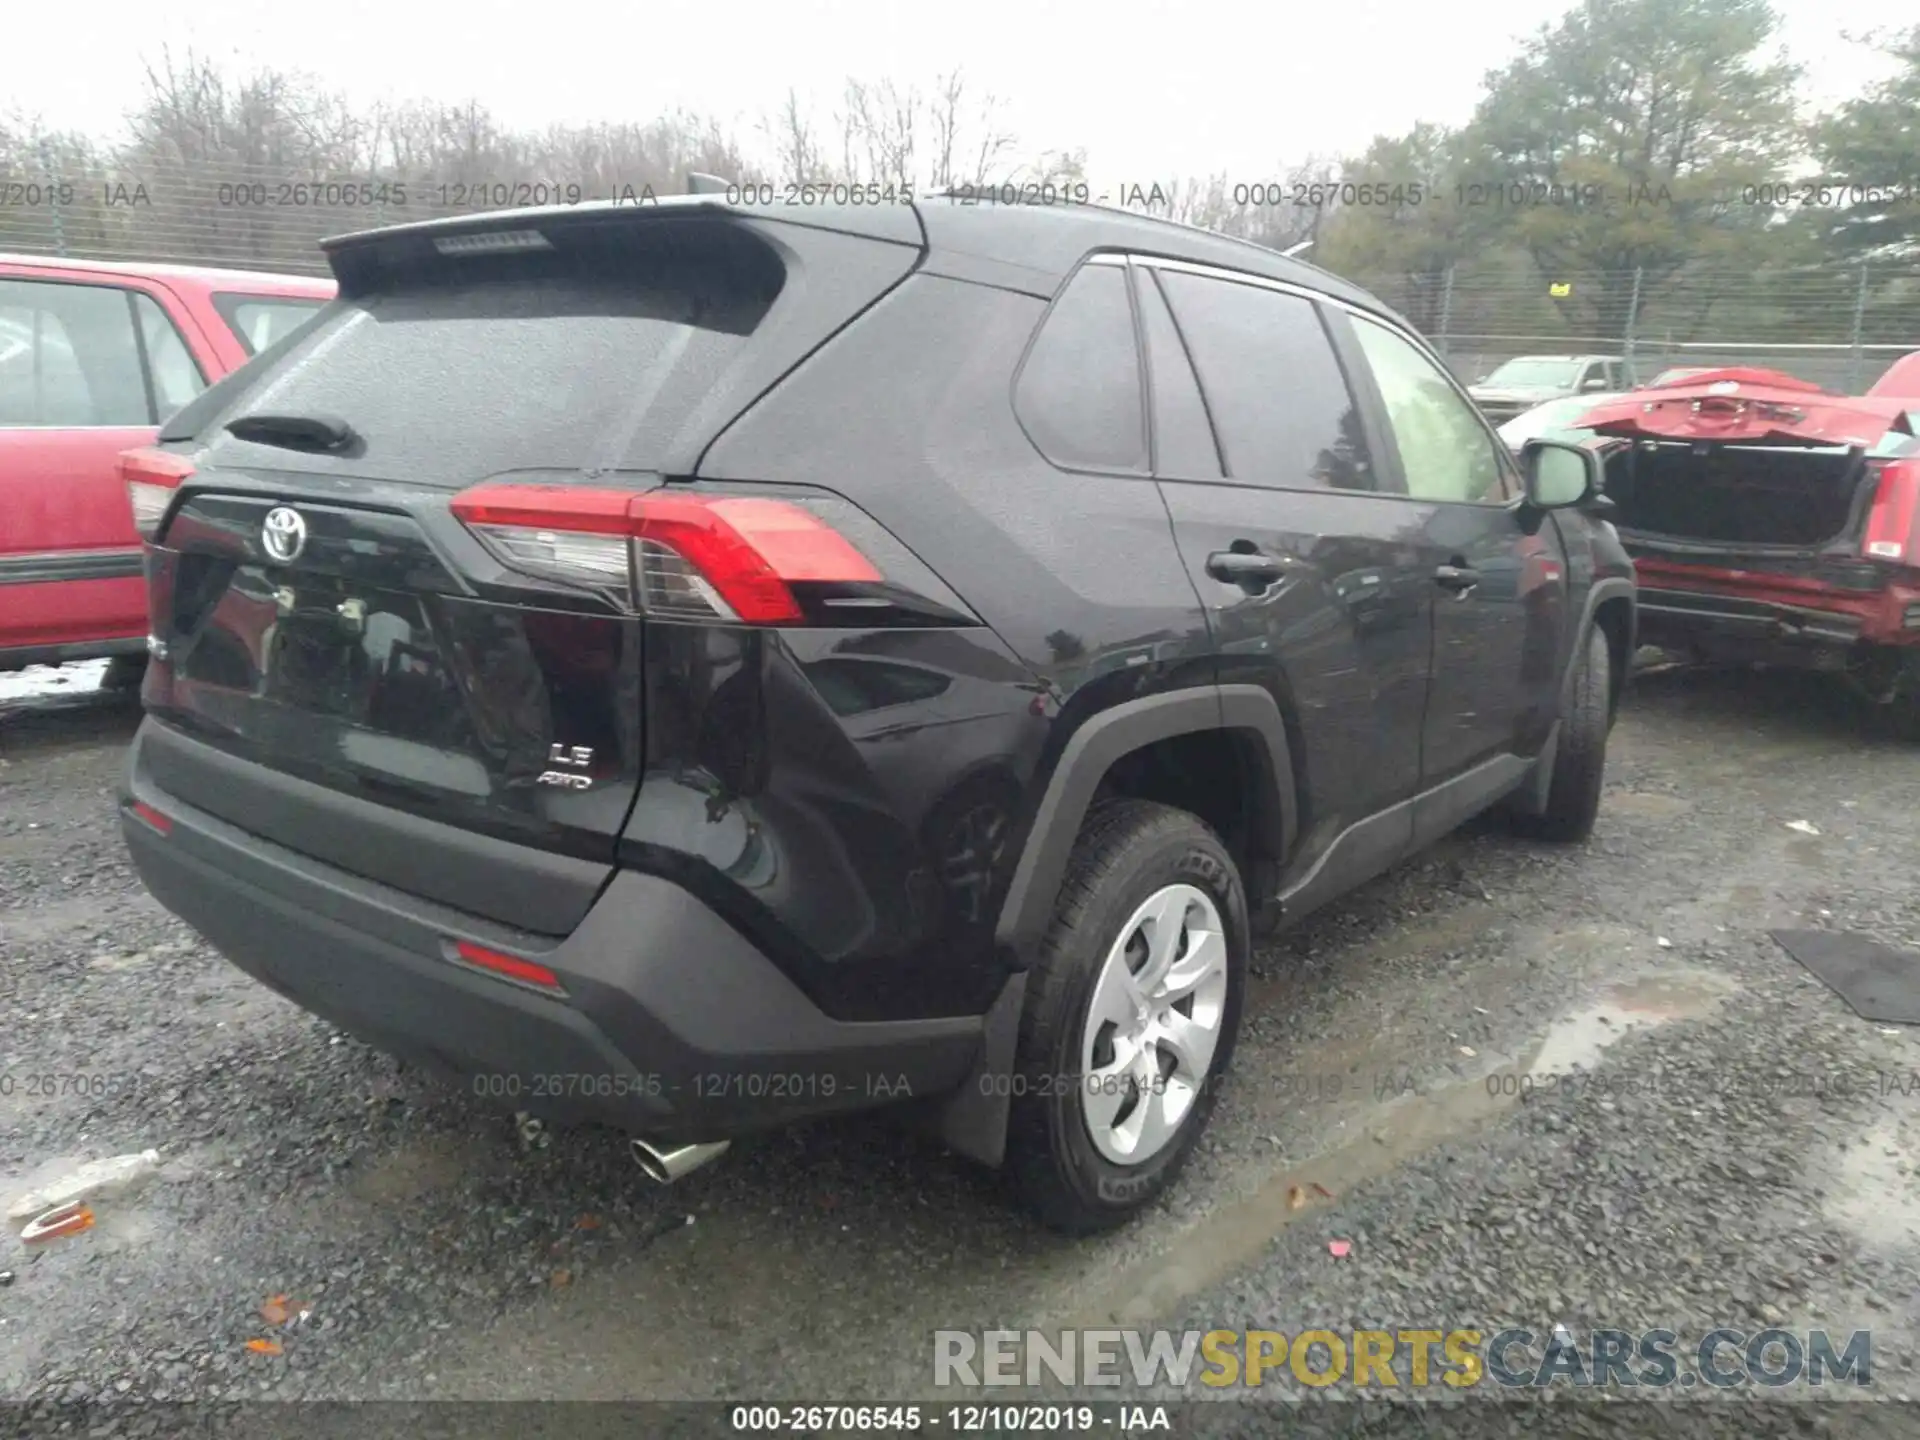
734,558
673,555
1890,522
152,476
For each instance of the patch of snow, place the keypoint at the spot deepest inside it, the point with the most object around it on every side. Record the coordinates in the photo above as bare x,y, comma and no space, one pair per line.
41,680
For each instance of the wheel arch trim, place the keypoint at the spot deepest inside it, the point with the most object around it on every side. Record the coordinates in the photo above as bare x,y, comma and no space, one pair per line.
1601,592
1091,751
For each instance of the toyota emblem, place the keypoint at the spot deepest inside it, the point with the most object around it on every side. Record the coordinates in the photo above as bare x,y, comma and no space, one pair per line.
284,535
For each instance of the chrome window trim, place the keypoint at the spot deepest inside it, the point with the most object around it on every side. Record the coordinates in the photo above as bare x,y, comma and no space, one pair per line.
1239,277
1502,453
1305,292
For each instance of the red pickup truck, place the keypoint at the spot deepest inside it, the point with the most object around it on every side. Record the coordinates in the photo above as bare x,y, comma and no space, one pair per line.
93,357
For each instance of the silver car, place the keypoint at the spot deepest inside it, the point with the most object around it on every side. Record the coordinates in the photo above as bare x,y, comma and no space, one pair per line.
1530,380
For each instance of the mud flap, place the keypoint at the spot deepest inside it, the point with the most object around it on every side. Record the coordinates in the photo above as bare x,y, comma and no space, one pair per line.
1530,796
973,1120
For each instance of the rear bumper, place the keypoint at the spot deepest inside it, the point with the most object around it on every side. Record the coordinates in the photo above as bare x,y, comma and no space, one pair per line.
673,1025
1681,617
1783,616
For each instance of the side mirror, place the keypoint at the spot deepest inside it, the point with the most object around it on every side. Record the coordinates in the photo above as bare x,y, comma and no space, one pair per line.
1558,475
1597,382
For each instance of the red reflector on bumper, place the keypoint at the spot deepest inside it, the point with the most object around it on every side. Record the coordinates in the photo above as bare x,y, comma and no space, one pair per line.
510,966
152,816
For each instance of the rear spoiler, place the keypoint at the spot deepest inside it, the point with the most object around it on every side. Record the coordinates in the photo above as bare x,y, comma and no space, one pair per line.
1728,410
364,258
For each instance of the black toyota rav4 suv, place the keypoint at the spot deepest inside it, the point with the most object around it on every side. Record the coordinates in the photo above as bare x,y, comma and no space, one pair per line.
695,667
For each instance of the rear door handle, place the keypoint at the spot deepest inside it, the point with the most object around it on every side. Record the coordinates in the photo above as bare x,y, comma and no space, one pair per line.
1457,578
1244,567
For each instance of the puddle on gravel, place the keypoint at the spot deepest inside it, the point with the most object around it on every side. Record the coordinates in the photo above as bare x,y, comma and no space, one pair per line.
1869,1194
1576,1040
1387,1135
420,1168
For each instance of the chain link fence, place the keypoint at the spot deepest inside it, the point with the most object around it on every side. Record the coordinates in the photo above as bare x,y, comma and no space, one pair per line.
1836,326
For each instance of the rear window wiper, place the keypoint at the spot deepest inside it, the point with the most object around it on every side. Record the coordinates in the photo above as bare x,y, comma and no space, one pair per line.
294,432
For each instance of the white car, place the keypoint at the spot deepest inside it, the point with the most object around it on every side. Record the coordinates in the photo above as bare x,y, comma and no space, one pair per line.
1554,415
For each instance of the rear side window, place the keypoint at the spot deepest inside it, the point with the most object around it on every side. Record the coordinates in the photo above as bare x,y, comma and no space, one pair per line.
1279,402
69,356
176,374
591,353
1078,394
258,321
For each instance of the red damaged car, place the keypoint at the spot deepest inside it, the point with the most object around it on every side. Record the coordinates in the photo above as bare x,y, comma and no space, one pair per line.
1775,522
93,357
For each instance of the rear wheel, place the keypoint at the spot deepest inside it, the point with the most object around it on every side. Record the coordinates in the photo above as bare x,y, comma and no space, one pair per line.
1132,1012
1580,760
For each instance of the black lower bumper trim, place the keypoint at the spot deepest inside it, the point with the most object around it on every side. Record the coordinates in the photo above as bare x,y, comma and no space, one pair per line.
673,1025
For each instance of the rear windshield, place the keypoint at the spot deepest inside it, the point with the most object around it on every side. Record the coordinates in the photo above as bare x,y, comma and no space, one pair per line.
257,321
454,368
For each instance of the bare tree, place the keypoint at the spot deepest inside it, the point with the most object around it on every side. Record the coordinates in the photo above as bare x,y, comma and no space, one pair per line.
897,136
798,157
881,129
968,143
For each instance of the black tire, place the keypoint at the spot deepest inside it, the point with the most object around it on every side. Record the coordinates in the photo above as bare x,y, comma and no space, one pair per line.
1127,850
1898,706
124,672
1580,762
1902,717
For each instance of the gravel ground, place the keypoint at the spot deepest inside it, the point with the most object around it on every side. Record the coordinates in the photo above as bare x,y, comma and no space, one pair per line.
1712,1137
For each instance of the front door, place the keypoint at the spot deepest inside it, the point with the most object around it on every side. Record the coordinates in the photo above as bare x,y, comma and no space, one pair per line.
1497,569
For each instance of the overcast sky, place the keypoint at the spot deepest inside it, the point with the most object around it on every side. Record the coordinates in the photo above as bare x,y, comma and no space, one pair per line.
1151,89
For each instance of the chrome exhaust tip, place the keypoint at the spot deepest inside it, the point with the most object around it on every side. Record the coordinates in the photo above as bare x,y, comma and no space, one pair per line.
666,1166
